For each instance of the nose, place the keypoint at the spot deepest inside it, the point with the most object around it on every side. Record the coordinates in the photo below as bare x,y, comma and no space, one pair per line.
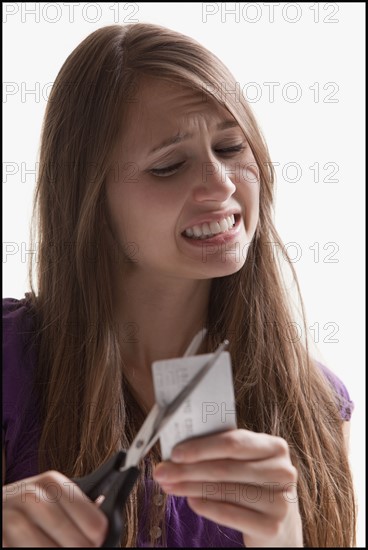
215,182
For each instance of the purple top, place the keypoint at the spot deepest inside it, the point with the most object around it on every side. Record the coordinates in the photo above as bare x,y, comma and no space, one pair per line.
21,432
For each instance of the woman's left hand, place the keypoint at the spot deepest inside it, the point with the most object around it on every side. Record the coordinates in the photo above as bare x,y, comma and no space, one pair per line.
241,479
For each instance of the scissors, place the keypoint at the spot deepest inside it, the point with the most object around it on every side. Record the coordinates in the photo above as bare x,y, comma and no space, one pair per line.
116,478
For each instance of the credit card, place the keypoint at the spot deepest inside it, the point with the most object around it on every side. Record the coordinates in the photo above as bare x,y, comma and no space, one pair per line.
211,406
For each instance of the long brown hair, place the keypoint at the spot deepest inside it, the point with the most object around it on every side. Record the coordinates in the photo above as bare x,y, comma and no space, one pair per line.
87,409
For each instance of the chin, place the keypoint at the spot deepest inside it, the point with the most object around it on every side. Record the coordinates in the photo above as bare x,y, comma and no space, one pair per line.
221,269
229,268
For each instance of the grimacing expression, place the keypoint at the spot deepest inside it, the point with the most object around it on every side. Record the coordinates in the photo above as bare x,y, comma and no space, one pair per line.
184,191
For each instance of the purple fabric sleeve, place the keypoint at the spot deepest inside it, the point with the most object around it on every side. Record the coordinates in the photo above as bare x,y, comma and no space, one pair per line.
20,422
345,403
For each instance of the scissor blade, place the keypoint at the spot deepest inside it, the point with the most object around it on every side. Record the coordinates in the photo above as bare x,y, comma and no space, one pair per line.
169,410
172,407
195,343
138,448
159,416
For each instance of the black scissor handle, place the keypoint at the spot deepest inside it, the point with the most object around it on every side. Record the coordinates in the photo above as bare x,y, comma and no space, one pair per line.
116,486
113,505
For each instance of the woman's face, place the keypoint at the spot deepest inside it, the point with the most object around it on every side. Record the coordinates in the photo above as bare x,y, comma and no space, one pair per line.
183,195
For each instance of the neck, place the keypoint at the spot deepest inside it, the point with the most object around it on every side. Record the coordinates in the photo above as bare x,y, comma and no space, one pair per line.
158,317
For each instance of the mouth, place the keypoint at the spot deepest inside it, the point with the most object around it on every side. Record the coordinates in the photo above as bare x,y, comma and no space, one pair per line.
218,232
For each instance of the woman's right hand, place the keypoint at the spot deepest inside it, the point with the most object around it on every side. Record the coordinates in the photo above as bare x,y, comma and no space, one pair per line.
49,510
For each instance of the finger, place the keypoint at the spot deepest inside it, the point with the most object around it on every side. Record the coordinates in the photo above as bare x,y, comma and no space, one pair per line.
57,496
19,532
276,470
50,517
263,499
236,444
241,519
90,519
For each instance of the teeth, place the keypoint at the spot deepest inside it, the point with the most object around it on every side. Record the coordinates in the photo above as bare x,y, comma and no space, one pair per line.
213,228
230,220
223,225
206,229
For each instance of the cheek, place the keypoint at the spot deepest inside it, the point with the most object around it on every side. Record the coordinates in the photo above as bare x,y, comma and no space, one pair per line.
142,212
116,209
249,189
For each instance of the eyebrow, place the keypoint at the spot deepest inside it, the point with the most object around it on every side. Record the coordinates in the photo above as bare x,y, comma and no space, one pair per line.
179,136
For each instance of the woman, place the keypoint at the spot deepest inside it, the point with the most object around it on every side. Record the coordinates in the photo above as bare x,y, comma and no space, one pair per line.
154,204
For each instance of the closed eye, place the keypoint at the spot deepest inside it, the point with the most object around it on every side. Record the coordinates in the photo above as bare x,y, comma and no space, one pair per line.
170,170
167,171
234,149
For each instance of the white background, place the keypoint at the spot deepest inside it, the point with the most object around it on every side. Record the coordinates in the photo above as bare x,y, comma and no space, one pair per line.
318,47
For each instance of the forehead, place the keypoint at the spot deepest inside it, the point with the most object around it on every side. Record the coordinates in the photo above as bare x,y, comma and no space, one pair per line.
160,108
